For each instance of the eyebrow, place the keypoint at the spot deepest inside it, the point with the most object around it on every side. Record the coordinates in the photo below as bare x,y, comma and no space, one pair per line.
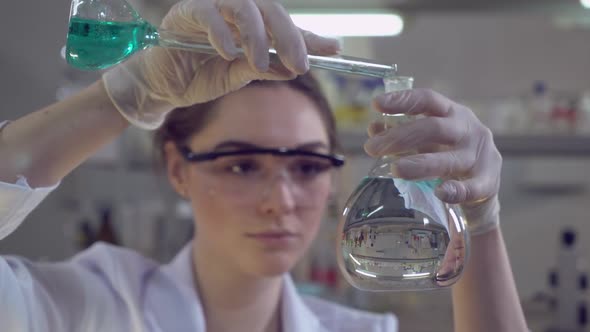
241,145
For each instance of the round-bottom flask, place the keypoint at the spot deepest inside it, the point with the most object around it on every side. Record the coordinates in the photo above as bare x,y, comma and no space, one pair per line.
395,233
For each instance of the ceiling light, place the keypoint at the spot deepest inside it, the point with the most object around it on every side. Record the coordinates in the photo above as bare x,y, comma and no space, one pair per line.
350,25
585,3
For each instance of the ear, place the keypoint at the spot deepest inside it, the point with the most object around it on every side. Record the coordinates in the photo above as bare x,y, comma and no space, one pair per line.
176,169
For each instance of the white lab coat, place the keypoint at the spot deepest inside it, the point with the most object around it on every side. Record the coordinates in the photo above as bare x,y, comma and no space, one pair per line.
109,288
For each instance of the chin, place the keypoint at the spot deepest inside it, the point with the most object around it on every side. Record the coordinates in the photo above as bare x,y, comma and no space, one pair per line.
275,264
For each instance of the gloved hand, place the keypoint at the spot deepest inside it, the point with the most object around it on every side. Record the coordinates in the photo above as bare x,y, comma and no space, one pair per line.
445,141
152,83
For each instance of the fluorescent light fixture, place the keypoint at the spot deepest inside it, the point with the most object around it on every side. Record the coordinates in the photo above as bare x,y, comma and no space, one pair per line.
365,273
455,219
354,259
416,275
585,3
350,25
376,210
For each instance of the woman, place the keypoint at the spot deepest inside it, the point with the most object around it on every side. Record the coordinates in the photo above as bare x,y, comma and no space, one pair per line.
255,164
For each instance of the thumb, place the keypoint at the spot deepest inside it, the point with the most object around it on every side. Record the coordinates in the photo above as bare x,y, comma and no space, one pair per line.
241,73
452,191
472,190
320,45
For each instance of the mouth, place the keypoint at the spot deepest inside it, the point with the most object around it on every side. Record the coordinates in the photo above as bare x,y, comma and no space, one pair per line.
274,239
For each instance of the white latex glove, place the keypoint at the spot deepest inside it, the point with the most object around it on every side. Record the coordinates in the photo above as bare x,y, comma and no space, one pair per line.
152,83
445,141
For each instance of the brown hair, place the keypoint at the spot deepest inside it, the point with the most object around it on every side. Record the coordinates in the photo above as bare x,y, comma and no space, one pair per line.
184,122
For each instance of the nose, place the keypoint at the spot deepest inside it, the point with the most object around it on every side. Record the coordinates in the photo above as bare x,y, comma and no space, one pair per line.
278,198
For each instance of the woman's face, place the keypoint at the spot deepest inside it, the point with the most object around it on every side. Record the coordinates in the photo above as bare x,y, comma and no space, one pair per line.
260,225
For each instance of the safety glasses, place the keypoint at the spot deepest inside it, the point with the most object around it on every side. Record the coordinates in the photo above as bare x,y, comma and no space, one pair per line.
246,175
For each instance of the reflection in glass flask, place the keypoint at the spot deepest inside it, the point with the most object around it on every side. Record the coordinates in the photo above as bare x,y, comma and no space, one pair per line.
397,235
387,246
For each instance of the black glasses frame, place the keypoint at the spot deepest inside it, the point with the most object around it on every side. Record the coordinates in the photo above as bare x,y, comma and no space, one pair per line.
336,159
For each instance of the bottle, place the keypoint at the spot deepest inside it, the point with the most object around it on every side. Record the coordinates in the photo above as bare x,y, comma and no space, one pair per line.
323,270
571,284
582,314
563,116
106,232
86,236
583,115
540,106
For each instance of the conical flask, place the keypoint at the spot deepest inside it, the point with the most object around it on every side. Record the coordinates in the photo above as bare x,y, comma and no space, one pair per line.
395,234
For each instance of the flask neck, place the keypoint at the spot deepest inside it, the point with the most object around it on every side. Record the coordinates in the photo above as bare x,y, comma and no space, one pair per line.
173,39
392,83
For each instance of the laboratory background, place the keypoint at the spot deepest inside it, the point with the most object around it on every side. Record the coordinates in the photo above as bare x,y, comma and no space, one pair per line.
523,66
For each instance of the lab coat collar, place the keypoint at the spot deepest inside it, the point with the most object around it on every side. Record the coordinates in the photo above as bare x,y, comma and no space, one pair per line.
296,316
170,294
181,268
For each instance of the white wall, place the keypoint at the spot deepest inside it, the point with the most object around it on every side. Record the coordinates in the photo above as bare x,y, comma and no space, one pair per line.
488,55
32,35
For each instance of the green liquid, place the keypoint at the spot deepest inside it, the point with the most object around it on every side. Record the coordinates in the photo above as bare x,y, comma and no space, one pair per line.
93,45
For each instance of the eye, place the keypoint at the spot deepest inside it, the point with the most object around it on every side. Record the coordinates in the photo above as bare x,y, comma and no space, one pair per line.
309,168
242,167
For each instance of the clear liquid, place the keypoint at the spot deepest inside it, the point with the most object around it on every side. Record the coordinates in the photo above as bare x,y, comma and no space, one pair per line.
93,44
385,245
393,254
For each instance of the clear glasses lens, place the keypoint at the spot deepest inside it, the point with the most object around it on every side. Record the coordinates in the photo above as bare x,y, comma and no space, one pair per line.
250,178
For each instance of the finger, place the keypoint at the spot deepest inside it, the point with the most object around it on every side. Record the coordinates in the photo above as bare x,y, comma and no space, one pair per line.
469,190
420,134
430,149
287,39
236,74
486,172
319,45
414,102
484,181
247,18
376,128
241,73
448,164
219,34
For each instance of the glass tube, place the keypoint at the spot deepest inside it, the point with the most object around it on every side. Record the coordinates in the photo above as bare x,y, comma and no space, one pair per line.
342,64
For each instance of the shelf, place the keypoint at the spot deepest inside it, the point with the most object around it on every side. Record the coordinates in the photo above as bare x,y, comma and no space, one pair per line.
555,146
509,145
352,144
